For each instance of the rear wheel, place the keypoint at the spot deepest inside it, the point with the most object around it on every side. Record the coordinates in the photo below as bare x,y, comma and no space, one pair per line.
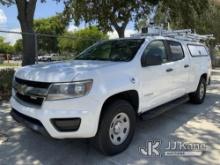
116,128
198,96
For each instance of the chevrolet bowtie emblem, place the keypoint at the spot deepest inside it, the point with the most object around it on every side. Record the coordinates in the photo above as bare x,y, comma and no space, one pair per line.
21,89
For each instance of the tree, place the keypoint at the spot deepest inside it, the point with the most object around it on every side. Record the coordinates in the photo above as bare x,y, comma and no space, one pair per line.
108,15
26,10
86,37
79,40
204,18
210,22
115,14
5,47
18,47
140,24
53,25
66,44
183,14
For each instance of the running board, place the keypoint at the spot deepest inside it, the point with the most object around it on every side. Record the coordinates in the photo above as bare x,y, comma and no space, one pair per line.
163,108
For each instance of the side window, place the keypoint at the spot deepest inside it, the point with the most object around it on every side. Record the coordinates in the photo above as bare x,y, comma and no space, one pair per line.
176,51
197,50
156,47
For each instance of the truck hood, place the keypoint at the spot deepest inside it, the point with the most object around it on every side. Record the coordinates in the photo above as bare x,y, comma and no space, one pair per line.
60,71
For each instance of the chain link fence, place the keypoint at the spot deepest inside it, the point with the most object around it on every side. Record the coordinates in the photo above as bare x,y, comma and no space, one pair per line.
47,47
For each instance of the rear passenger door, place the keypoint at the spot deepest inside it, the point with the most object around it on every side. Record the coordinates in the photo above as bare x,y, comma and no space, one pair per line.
180,68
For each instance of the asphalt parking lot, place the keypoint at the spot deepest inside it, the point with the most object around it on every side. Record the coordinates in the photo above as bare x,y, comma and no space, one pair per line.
187,123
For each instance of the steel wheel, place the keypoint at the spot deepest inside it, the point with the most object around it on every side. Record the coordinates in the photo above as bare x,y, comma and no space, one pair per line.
116,127
201,91
119,128
198,96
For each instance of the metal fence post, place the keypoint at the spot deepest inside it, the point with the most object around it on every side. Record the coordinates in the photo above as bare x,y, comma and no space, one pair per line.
36,47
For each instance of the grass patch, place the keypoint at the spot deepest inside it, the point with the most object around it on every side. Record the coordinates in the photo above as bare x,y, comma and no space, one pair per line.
10,65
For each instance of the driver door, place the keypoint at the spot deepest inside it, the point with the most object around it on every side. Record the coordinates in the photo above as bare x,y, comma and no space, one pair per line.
156,80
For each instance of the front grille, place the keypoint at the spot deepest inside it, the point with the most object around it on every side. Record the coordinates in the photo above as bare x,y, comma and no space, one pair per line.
32,83
31,92
29,99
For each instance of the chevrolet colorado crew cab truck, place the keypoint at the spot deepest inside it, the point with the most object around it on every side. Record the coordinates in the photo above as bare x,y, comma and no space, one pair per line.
101,92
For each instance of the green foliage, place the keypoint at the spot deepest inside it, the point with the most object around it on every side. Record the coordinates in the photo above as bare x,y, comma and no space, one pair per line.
5,47
87,37
53,25
201,16
116,14
5,64
81,39
184,13
67,44
217,53
6,77
18,46
109,14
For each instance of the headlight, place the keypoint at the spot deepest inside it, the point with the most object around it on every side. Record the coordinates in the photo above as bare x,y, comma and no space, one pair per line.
69,90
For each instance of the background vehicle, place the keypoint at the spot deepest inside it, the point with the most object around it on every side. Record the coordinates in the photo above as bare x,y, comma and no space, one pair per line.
46,58
100,93
16,57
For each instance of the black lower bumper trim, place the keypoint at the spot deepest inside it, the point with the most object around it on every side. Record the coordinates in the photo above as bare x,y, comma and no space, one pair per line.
29,122
66,124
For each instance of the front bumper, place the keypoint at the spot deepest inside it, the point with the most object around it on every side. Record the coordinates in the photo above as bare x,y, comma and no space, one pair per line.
29,122
86,109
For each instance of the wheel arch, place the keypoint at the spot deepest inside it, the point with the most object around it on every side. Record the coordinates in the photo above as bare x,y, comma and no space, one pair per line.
131,96
205,76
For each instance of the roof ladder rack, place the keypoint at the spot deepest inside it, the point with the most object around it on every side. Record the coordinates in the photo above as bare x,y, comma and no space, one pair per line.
182,34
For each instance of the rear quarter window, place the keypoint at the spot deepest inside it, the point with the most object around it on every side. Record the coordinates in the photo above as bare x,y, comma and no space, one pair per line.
176,51
197,50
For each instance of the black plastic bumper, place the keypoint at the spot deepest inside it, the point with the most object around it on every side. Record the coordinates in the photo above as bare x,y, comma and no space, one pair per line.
29,122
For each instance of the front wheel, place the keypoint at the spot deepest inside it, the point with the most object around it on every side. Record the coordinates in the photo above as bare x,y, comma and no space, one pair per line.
198,96
116,128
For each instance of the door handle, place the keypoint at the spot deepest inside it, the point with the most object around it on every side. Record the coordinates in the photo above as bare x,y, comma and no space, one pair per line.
169,70
186,66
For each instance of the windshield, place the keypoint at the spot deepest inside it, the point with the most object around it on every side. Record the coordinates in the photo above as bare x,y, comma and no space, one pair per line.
112,50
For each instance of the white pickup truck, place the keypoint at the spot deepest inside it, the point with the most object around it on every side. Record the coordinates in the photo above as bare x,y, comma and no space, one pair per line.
102,91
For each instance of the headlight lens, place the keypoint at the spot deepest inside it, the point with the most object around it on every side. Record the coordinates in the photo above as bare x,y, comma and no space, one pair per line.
60,91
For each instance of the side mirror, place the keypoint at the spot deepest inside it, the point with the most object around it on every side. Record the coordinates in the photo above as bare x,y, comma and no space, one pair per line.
151,58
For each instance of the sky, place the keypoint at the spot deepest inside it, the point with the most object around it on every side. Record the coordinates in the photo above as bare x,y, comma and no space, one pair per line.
8,19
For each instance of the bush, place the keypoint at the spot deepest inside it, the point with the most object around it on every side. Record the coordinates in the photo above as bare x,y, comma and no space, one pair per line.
6,76
81,39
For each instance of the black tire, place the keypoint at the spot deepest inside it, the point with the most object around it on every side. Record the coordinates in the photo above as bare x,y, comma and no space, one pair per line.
102,139
196,97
